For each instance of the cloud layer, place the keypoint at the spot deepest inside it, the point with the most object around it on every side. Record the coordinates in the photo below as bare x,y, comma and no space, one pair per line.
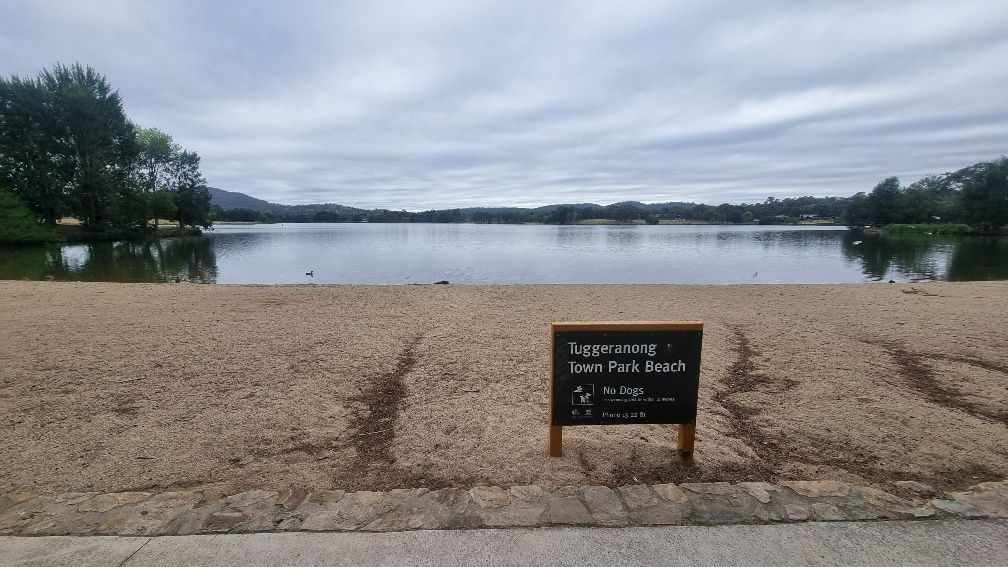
439,104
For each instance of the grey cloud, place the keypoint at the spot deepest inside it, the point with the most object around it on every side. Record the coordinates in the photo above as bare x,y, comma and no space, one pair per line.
416,105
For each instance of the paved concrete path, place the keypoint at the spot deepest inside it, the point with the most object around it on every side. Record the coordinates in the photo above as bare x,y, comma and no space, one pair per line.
937,542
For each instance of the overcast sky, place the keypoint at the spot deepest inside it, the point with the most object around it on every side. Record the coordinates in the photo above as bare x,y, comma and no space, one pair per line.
438,104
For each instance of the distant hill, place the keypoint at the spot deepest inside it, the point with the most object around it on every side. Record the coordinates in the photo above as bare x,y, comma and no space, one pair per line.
235,200
309,209
551,208
652,207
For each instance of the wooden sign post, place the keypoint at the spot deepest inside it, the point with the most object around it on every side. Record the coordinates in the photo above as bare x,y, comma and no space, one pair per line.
625,373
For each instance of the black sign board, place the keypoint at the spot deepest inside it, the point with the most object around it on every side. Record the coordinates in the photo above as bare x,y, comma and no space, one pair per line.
620,373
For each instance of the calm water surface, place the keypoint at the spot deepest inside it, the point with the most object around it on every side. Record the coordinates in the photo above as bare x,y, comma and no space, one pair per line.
509,254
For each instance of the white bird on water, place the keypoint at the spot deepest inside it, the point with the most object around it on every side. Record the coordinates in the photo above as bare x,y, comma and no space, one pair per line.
856,242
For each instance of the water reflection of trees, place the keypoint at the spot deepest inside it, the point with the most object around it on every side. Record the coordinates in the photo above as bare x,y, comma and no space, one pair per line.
880,255
921,257
979,258
32,262
187,259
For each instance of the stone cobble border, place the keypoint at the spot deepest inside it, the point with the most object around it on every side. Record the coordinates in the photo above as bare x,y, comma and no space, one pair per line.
196,512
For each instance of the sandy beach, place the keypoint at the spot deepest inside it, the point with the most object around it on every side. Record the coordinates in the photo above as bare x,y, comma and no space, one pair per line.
116,387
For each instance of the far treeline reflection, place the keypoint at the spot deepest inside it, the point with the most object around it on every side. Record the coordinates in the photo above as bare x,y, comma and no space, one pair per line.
972,259
188,259
195,259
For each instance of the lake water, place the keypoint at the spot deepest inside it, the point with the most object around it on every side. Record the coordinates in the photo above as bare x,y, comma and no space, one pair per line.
513,254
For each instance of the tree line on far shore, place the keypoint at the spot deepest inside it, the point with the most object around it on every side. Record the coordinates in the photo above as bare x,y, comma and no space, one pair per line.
68,149
771,211
976,196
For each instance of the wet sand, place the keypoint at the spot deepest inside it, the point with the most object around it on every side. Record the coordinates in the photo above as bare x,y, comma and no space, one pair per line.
114,387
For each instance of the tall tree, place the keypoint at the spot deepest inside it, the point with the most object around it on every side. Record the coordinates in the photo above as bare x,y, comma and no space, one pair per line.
985,194
30,163
859,212
93,136
884,201
192,198
66,147
931,199
157,153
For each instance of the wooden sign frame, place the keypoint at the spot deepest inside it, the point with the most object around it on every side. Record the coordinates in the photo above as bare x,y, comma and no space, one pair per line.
686,431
